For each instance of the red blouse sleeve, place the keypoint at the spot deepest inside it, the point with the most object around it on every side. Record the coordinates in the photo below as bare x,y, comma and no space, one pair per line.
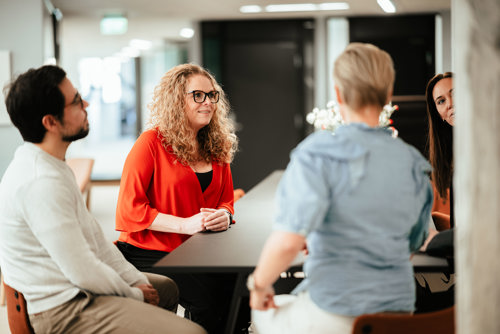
227,196
134,212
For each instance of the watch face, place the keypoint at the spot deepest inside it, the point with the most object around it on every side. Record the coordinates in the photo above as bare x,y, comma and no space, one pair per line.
250,283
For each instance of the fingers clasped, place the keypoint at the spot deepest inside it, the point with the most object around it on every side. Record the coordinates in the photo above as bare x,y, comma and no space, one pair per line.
216,219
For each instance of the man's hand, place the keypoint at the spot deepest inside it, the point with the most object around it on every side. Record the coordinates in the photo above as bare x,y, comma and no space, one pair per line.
150,294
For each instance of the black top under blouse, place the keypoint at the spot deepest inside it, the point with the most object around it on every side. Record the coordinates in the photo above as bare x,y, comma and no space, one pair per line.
205,179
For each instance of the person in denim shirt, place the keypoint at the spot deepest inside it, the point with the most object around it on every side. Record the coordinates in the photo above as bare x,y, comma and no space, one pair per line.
359,200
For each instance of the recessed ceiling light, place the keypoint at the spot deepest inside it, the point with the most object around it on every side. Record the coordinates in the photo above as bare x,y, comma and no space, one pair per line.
186,32
114,25
307,7
387,6
333,6
250,9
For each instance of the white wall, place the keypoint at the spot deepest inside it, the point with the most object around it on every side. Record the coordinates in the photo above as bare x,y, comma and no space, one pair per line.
21,33
443,43
477,164
81,37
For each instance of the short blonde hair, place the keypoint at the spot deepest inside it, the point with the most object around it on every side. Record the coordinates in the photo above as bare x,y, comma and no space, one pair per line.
364,74
167,115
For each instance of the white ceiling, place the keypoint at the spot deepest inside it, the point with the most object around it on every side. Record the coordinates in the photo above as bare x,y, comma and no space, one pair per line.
229,9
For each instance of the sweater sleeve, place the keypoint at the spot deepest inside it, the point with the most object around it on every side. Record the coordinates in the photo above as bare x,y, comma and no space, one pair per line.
51,210
134,212
110,254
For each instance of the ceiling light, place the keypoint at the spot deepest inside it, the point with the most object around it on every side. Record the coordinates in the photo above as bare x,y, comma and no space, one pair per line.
296,7
387,6
250,9
114,25
333,6
307,7
186,32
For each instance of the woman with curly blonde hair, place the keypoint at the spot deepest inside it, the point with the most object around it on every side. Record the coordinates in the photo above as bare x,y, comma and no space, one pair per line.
176,182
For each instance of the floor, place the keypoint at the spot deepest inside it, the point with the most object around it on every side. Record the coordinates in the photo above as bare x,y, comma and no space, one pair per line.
102,205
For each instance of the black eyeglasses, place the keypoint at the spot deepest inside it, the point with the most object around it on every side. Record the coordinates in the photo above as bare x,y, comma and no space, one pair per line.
199,96
77,101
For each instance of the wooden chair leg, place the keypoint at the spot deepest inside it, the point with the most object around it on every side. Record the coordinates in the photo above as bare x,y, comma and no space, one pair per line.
2,291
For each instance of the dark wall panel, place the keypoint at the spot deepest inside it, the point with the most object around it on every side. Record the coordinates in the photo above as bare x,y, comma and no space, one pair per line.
260,65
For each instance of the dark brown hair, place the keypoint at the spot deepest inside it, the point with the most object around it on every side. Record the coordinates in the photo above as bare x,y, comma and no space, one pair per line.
440,140
33,95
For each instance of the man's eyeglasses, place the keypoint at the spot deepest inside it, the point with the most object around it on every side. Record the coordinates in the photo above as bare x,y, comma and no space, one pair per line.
77,101
199,96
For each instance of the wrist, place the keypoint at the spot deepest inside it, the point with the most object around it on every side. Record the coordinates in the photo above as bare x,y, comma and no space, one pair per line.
252,285
230,216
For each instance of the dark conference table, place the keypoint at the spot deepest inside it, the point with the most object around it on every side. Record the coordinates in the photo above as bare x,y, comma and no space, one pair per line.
237,250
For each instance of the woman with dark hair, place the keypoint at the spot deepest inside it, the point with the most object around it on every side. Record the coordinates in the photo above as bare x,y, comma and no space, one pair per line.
441,117
436,291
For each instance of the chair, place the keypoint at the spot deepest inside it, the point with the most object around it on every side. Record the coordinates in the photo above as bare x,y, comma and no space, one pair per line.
238,193
437,322
17,314
82,168
2,291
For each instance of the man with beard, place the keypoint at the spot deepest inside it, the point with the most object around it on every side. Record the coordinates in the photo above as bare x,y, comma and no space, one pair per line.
51,249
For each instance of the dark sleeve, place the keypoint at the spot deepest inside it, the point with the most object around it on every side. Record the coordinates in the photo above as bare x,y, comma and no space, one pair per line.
442,244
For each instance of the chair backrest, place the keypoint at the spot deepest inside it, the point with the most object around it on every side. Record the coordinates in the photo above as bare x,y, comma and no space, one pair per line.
437,322
17,314
238,193
82,168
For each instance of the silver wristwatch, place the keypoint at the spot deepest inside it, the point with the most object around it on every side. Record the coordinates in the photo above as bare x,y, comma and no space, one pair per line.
251,283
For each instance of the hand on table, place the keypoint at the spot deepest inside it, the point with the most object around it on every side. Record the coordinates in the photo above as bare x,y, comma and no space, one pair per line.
194,224
150,294
216,219
262,299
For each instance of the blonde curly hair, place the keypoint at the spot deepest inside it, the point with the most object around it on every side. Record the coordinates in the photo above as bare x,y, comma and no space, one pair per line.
167,116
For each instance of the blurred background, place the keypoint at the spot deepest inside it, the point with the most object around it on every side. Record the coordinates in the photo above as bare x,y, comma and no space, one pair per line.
273,58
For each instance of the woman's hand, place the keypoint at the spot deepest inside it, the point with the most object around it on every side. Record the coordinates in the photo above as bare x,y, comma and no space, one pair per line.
150,294
216,219
432,234
194,224
262,298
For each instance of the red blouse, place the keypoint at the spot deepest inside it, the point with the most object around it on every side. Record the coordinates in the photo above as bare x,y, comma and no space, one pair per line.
154,181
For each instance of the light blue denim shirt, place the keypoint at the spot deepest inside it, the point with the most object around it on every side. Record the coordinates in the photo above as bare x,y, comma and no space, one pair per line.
363,200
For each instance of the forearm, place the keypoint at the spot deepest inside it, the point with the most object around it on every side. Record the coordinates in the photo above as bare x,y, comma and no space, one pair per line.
166,223
280,250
